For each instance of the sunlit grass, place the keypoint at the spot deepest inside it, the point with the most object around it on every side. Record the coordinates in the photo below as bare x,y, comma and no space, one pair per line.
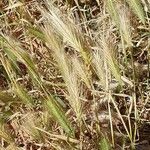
95,93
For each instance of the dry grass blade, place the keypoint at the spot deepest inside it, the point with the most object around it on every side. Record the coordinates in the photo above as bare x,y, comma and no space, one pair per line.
119,114
28,126
61,137
74,74
4,134
12,147
18,4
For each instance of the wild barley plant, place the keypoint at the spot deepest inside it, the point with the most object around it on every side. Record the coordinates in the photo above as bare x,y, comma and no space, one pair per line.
89,60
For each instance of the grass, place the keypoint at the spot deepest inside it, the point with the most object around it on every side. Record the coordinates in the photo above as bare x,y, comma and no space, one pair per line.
74,74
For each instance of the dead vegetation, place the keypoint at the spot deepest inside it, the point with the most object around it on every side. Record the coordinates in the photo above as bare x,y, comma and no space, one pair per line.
74,74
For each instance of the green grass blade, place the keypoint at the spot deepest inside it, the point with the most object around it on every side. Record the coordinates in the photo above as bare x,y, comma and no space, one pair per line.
137,8
104,144
36,32
14,50
23,56
21,93
108,53
59,115
112,11
11,57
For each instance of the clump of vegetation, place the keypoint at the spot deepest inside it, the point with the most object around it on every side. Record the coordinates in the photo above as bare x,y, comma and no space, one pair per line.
74,74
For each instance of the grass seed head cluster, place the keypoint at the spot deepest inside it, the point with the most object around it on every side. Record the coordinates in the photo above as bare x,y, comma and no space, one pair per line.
74,74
